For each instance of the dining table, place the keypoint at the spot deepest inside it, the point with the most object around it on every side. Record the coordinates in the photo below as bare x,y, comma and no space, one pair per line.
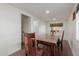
51,42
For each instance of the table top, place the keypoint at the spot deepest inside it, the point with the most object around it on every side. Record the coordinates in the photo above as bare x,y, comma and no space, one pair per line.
50,40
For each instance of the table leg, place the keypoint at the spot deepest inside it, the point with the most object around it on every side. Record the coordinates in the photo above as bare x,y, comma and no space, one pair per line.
52,50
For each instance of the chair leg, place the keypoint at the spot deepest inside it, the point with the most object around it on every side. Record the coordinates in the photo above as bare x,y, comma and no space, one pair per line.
54,50
58,50
61,47
26,54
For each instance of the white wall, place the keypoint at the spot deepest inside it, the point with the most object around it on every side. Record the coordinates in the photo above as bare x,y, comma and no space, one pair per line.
39,27
72,33
76,41
10,29
42,29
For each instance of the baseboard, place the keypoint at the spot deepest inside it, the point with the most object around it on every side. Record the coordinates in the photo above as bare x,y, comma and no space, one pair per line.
73,52
14,51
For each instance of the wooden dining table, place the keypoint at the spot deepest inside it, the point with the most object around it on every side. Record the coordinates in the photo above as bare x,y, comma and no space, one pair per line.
51,42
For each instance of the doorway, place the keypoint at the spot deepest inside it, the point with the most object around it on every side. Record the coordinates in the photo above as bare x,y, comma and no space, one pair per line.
25,27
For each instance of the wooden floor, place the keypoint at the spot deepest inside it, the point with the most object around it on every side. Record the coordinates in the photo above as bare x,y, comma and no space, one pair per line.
66,51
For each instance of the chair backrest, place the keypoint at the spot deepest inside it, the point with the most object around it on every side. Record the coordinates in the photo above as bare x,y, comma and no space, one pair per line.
31,35
62,36
28,44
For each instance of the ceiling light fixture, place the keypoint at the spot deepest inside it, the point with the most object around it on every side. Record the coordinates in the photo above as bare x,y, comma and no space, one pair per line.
47,11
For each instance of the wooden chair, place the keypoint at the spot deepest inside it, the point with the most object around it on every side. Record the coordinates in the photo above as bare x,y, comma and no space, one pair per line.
31,50
33,36
60,42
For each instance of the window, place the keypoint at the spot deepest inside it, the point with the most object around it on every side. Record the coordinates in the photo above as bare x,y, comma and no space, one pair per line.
77,26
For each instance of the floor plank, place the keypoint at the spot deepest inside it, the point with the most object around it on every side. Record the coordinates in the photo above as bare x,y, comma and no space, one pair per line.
66,51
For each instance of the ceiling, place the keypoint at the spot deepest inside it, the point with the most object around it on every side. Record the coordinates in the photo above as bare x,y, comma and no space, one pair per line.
60,11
